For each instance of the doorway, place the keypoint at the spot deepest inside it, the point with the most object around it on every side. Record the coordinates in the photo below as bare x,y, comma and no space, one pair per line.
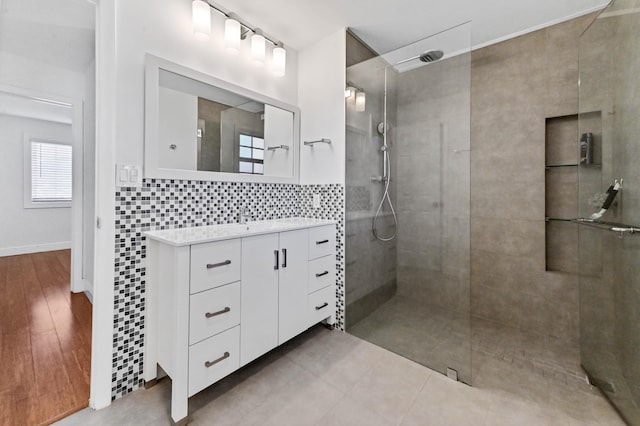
47,117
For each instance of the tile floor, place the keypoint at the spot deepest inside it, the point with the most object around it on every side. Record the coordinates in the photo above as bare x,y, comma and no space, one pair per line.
327,377
443,336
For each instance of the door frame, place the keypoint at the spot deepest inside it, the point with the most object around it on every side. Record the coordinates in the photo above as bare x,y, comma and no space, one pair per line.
104,244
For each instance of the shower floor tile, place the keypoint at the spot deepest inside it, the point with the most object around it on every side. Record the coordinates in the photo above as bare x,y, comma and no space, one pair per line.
434,338
542,371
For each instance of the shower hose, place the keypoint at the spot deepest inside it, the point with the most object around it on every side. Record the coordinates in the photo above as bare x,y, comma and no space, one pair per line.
385,196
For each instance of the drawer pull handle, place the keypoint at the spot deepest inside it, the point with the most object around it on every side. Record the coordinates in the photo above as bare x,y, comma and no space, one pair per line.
217,265
321,242
215,361
276,266
321,274
324,305
220,312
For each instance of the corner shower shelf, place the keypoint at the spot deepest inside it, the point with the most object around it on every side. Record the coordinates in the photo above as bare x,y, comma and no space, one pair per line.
555,166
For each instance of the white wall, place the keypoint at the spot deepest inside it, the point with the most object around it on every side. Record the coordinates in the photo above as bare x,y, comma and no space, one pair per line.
89,172
163,28
28,230
321,98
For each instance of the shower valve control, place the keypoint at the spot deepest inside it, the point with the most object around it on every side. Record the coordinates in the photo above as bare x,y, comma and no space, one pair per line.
378,179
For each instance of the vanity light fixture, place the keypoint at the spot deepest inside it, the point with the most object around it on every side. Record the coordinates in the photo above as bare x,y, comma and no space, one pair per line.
360,101
353,94
349,93
279,62
258,47
232,33
235,30
201,15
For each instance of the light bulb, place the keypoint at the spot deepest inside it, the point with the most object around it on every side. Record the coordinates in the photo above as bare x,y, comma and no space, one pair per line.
279,60
201,19
349,93
232,34
258,47
360,101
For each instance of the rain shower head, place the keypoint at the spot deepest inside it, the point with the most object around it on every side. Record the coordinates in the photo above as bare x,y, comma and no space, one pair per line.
431,56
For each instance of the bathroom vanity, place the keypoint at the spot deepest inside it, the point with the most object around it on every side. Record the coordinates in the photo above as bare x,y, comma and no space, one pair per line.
220,296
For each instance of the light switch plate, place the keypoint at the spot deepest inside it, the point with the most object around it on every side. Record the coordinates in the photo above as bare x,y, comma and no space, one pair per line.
122,175
135,175
316,201
128,175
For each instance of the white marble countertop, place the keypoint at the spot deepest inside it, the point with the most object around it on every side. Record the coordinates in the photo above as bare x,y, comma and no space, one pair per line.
205,234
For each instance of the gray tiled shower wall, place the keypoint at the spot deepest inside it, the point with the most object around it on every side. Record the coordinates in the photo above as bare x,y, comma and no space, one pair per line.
165,204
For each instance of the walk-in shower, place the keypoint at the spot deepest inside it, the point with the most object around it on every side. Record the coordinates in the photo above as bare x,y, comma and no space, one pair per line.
407,196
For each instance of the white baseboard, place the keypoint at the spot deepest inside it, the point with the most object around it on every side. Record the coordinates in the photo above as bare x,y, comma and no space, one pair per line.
88,289
36,248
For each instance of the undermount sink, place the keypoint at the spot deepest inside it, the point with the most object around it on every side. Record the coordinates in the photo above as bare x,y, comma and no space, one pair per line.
268,225
265,225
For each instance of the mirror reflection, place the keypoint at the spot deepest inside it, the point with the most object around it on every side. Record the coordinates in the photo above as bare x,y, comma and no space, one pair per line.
206,128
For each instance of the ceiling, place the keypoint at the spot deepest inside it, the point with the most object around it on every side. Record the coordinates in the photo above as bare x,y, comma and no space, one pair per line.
386,25
61,32
54,32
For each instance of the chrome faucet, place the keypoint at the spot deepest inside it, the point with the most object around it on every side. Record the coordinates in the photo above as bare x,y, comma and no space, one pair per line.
245,215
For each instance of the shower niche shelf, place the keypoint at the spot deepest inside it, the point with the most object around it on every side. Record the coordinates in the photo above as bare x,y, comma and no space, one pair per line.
563,160
561,193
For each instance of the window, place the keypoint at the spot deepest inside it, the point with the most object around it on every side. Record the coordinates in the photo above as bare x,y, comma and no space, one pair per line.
48,173
251,154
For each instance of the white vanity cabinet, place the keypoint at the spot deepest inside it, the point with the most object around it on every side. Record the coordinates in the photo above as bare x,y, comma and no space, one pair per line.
219,297
274,297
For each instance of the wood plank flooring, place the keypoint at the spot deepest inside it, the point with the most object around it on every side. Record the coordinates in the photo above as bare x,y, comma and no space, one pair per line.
45,340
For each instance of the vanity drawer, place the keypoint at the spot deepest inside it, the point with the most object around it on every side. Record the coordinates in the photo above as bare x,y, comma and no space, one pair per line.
322,272
322,241
213,311
214,264
213,359
321,304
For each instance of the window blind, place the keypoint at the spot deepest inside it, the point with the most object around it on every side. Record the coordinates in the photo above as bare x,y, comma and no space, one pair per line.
51,172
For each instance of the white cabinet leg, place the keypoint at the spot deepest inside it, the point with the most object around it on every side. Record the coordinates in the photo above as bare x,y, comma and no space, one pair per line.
179,402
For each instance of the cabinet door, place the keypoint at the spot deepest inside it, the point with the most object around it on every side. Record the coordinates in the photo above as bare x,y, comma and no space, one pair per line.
294,264
259,296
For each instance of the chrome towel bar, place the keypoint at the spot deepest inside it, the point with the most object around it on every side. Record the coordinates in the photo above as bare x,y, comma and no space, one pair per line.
323,140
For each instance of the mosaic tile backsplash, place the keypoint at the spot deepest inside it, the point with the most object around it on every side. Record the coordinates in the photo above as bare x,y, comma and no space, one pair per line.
165,204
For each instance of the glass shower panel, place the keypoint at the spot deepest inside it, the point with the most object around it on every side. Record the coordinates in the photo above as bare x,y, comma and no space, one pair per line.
609,242
408,202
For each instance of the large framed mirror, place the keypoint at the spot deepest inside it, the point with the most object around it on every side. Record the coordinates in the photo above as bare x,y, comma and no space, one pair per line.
198,127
